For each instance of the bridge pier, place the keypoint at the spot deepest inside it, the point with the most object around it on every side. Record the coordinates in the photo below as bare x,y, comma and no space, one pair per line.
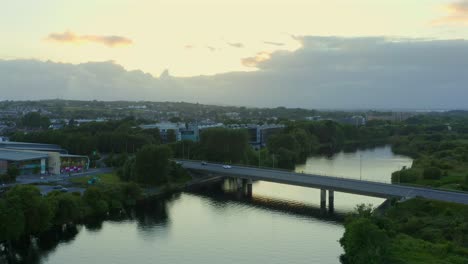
239,184
331,201
249,188
323,199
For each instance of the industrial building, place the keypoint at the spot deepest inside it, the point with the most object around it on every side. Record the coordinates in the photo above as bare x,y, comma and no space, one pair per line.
258,134
36,158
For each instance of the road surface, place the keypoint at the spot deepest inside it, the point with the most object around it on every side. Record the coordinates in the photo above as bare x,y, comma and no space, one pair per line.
376,189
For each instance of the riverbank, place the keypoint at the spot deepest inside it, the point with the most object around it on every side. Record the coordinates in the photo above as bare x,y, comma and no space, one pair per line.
415,231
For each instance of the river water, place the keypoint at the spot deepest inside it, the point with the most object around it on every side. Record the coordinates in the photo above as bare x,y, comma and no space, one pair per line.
279,224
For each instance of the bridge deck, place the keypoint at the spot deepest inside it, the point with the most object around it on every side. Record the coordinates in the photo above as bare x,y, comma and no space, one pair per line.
376,189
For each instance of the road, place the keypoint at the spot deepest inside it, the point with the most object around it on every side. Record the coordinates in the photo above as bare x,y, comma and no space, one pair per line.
375,189
58,179
45,189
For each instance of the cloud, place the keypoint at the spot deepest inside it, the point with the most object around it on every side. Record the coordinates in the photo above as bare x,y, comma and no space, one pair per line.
236,44
257,59
458,14
326,72
273,43
70,37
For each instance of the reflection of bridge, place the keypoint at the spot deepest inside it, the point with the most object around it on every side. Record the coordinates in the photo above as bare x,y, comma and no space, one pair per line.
295,208
376,189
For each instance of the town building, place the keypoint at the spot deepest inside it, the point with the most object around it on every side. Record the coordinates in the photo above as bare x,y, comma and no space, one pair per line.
38,158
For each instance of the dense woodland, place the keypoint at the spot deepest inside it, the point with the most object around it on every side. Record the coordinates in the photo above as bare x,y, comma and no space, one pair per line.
26,215
417,231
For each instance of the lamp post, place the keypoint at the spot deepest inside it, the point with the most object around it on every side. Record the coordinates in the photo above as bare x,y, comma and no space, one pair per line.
259,158
360,167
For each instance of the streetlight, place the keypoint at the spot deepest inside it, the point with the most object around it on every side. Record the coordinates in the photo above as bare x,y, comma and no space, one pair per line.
259,156
360,167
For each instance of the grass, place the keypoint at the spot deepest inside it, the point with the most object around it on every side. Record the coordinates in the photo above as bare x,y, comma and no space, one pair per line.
108,179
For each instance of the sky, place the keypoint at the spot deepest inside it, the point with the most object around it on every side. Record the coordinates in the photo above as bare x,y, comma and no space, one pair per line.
190,45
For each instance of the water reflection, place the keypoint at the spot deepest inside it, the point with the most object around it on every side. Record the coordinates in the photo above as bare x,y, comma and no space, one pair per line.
224,194
219,224
374,164
147,215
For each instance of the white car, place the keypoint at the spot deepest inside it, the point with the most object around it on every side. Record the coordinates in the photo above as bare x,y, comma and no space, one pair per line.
227,166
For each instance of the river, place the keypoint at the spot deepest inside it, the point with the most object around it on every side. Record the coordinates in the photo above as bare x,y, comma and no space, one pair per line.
279,224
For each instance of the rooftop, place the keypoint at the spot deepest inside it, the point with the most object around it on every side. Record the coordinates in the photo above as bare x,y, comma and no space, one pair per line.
30,146
19,155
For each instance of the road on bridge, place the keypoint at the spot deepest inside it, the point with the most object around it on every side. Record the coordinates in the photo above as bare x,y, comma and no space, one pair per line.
376,189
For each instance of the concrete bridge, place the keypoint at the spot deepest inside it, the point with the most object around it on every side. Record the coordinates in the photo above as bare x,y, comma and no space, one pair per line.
246,175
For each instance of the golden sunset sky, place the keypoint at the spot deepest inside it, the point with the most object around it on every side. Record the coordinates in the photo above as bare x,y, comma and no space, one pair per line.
205,37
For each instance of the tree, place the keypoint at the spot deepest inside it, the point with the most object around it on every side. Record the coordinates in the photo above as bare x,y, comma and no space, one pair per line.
175,119
67,207
127,171
36,211
432,173
364,242
152,164
11,219
13,172
171,136
35,120
224,145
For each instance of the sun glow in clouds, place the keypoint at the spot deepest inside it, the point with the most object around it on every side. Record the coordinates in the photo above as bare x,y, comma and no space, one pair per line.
70,37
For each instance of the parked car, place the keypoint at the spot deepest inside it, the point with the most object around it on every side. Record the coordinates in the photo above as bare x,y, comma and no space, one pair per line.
227,166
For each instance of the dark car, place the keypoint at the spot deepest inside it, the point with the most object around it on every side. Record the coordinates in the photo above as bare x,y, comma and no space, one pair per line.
57,187
204,163
64,189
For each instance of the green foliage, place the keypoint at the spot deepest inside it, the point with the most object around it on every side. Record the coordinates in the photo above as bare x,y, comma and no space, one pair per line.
292,146
127,171
37,212
116,160
171,136
106,137
12,219
224,145
414,231
432,173
364,242
405,176
152,165
35,120
67,207
13,172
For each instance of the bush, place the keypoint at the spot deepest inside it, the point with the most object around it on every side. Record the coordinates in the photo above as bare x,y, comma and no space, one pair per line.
432,173
405,176
13,172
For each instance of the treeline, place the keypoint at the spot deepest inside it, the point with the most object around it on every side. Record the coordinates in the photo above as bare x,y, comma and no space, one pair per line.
34,120
416,231
284,149
439,150
105,137
151,166
25,213
218,145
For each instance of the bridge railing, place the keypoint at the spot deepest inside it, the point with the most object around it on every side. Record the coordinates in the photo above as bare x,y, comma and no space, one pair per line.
338,176
332,176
